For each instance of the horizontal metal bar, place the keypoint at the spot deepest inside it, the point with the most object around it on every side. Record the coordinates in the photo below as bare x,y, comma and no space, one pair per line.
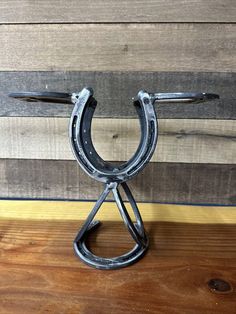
184,97
51,97
66,98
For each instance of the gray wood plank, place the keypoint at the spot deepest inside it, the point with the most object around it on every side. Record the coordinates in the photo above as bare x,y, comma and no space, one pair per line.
114,92
179,140
118,47
103,11
159,182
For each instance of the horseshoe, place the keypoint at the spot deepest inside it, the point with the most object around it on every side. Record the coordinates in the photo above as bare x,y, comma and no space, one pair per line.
112,176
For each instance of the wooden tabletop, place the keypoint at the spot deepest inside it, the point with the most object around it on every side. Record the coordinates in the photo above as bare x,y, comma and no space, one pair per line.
190,266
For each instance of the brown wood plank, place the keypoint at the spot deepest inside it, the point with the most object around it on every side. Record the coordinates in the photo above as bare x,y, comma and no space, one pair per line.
39,271
118,47
114,92
107,11
159,182
180,140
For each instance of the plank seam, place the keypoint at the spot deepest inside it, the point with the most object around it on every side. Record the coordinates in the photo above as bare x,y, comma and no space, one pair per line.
114,23
75,200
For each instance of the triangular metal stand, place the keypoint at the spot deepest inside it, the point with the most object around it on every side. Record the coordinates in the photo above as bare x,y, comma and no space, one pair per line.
136,230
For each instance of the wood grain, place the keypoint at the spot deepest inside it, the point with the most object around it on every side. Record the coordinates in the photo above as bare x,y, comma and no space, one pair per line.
186,140
61,210
114,92
158,182
119,47
39,271
110,11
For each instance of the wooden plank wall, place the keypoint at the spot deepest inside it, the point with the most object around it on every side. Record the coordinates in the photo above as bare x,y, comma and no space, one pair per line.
118,48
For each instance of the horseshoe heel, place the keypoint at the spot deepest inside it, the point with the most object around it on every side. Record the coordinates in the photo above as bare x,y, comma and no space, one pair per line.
112,176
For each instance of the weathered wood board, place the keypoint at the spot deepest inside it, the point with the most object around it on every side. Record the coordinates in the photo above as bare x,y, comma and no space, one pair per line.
193,141
118,47
111,11
114,92
159,182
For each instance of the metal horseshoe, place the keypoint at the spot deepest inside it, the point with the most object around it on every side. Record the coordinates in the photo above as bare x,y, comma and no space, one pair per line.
112,176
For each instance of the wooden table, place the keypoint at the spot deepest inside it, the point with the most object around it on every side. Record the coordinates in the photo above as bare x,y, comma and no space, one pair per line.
189,246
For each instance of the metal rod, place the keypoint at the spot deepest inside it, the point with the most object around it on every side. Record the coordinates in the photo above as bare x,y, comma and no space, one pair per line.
184,97
66,98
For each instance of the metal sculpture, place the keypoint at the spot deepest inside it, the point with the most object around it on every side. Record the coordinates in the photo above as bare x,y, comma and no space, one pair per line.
112,176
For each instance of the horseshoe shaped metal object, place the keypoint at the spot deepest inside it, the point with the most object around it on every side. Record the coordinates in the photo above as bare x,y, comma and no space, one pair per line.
112,176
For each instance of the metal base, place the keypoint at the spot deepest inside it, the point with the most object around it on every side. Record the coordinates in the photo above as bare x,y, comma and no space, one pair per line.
136,230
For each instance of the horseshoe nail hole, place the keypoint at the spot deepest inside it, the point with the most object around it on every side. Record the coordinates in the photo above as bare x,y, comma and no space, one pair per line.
146,101
217,285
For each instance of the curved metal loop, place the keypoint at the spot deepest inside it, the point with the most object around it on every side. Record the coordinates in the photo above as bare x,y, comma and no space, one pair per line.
84,151
136,230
